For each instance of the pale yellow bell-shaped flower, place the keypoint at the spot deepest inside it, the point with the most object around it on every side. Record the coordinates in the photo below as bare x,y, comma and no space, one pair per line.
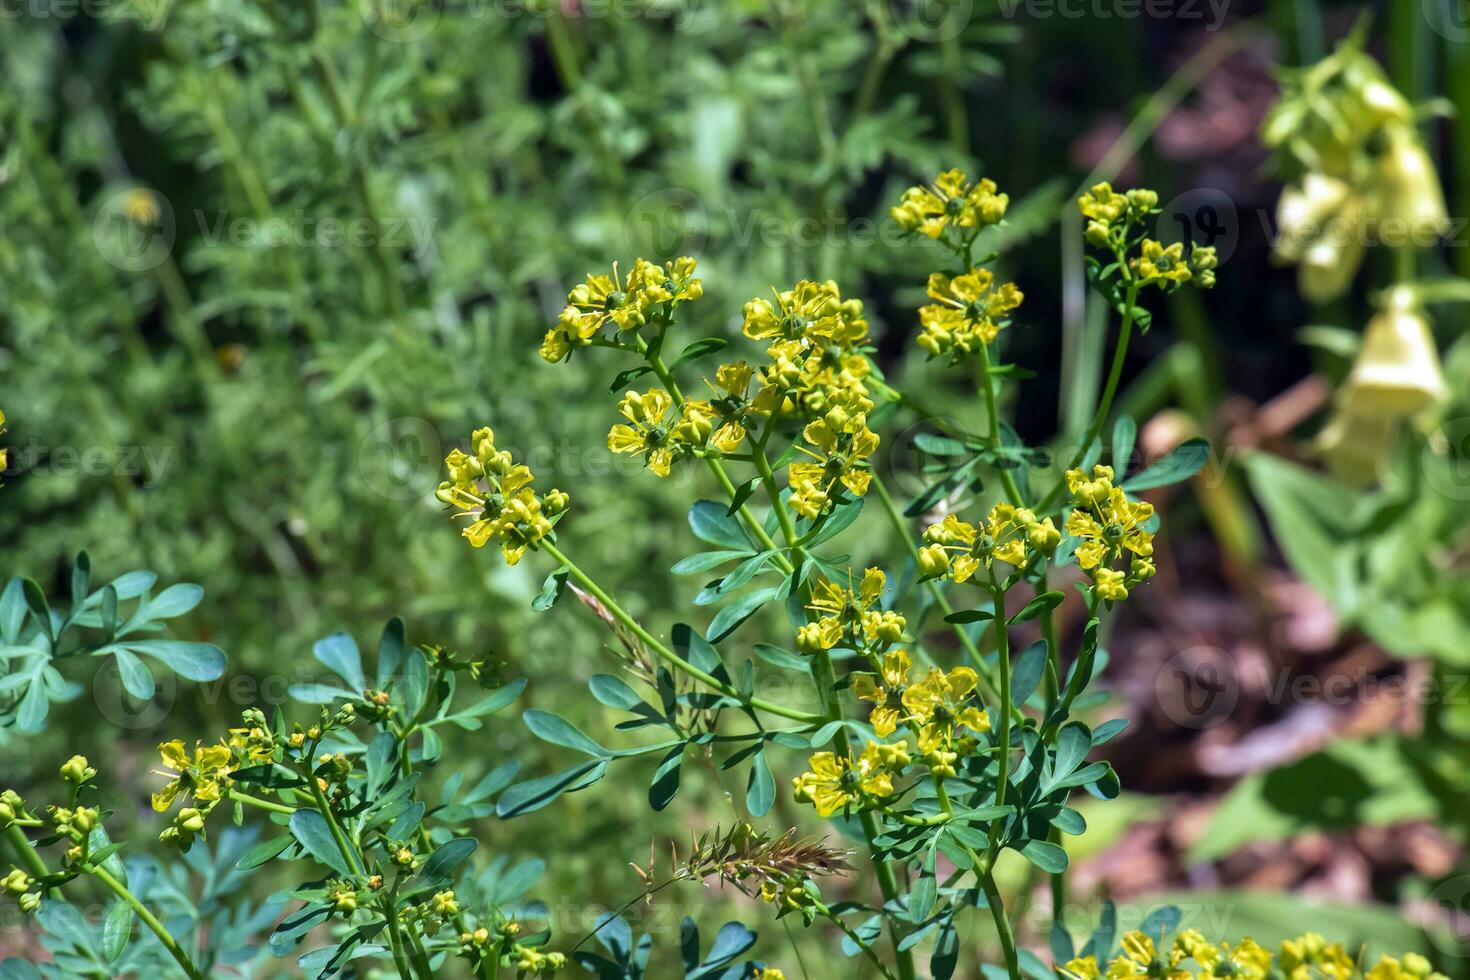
1411,188
1355,445
1303,211
1397,370
1327,268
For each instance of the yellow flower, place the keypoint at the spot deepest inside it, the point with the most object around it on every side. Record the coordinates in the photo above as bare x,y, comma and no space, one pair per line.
1081,968
649,435
1110,526
851,614
1103,204
886,696
769,973
729,407
840,449
810,311
968,312
1159,263
950,199
1009,534
204,776
836,782
610,300
941,702
496,494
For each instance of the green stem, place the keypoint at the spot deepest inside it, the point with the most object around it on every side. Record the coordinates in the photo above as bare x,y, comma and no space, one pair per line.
27,854
1105,404
663,652
661,371
940,599
148,919
349,853
1002,924
1003,734
857,940
260,804
395,935
987,379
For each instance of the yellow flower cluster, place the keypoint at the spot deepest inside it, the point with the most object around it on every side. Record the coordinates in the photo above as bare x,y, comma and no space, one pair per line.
817,354
1112,217
624,304
496,493
1307,957
199,780
968,311
837,782
956,549
951,200
851,617
935,707
656,431
1111,527
837,450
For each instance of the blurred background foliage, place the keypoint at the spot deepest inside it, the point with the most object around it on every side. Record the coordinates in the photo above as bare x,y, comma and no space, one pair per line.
202,378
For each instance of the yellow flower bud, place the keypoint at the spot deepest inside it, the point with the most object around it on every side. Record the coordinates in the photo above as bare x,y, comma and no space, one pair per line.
16,882
76,770
933,561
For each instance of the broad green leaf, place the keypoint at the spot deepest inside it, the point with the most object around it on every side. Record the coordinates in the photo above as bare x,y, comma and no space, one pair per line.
339,653
311,830
1040,604
1182,462
117,930
711,523
558,731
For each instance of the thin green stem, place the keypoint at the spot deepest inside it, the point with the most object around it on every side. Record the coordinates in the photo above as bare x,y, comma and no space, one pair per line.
895,517
395,934
663,652
1105,404
857,940
1003,734
991,410
260,804
349,853
1002,924
147,918
27,854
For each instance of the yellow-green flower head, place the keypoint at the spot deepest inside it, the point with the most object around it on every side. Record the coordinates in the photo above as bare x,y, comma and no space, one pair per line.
76,770
612,302
204,776
1160,263
838,446
1111,527
951,200
813,312
17,882
885,691
836,782
651,430
968,312
851,615
941,702
1103,204
1014,535
729,408
496,494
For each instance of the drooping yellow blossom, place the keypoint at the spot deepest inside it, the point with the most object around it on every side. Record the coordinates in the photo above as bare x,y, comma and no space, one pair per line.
957,550
968,311
495,492
835,782
1111,527
204,776
603,301
940,703
885,691
951,200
